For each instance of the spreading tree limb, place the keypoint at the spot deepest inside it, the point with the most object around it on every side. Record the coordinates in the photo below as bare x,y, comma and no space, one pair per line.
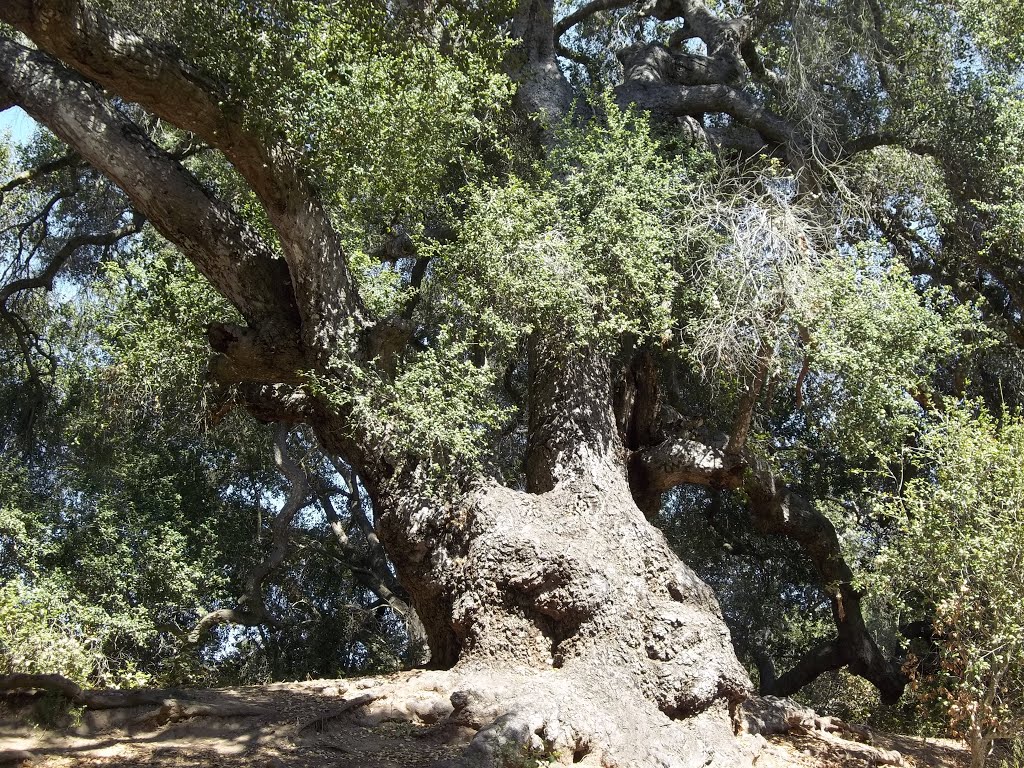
225,249
142,71
594,6
253,610
777,509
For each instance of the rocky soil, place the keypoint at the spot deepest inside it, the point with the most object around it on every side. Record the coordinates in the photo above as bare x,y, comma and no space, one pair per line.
399,721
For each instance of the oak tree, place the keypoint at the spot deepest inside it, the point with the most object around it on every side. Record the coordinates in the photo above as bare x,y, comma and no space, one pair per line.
532,273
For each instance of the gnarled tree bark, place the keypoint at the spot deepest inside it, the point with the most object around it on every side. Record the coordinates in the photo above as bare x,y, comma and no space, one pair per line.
569,584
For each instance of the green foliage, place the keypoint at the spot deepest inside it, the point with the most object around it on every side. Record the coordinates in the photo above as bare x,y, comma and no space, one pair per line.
44,628
863,282
996,27
152,312
440,406
587,242
891,178
843,695
375,109
1004,238
112,514
875,343
765,587
957,565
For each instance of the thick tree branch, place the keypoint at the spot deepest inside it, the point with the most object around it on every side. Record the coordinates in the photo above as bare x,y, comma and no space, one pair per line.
677,100
244,355
870,141
761,73
723,37
141,71
776,509
654,63
222,616
687,461
170,709
542,88
822,658
594,6
107,699
219,243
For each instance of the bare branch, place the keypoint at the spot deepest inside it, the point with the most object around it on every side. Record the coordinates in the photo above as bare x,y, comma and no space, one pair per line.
370,566
253,611
668,99
778,510
221,616
298,493
594,6
45,278
871,141
139,70
44,169
589,63
334,521
748,402
27,341
355,504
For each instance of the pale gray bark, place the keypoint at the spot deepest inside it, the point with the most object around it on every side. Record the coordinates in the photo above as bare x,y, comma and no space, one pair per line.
569,578
542,88
228,253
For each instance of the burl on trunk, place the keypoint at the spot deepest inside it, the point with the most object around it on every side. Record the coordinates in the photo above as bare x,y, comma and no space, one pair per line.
563,601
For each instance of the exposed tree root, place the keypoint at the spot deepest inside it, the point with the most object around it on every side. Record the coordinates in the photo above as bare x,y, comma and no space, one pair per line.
565,719
169,708
113,699
772,715
479,717
173,710
317,723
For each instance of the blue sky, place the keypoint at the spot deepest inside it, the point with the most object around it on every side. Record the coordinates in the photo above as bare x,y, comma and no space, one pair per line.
18,123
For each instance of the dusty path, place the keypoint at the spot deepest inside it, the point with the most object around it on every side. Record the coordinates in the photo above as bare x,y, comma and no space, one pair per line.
398,721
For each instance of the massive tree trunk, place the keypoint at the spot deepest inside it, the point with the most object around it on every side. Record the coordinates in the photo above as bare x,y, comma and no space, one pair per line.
565,597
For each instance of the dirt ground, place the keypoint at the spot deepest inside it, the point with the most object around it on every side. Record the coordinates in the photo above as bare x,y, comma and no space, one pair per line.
386,722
